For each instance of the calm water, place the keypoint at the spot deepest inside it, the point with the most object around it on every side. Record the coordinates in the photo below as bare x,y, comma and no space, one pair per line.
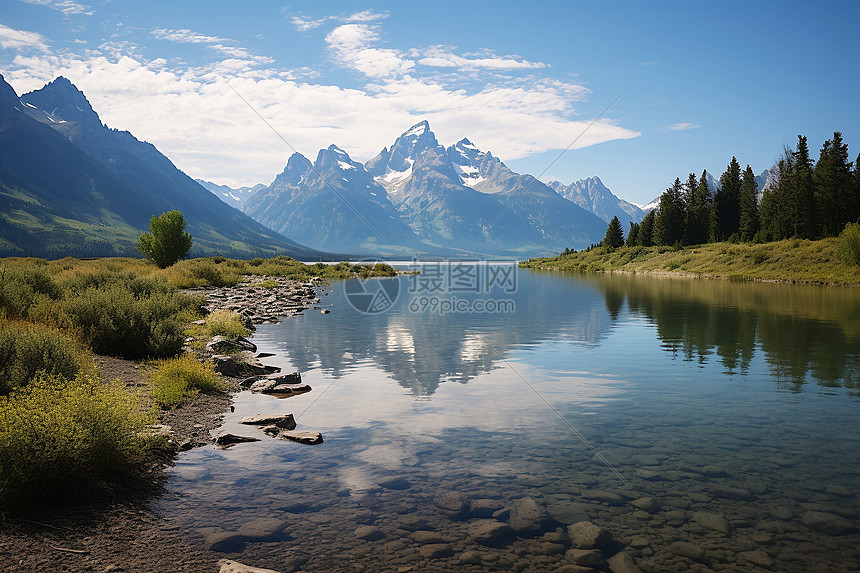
735,407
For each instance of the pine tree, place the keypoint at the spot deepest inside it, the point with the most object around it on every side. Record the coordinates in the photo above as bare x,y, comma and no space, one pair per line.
725,219
749,217
854,203
646,230
671,215
833,187
777,207
699,212
632,235
805,218
614,235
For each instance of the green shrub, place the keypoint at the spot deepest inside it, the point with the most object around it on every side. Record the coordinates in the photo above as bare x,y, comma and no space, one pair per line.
118,321
19,287
26,350
848,244
173,379
210,273
61,438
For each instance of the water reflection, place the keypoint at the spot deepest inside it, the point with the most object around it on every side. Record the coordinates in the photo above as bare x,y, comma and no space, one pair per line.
803,331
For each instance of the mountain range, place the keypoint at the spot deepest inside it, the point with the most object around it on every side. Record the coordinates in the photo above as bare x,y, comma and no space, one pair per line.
71,186
418,197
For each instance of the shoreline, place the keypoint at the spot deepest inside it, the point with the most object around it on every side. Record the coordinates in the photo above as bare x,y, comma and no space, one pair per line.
118,529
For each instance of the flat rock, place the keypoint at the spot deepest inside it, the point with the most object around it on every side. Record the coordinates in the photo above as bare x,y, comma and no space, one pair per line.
231,439
470,558
266,386
285,421
711,521
489,531
436,551
224,542
603,496
291,378
688,550
369,533
397,483
757,557
484,508
586,535
423,537
229,566
729,492
828,523
449,500
648,504
586,558
262,528
527,515
302,437
567,512
622,562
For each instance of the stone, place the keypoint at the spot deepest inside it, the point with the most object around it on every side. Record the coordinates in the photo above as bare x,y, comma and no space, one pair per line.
262,528
436,551
602,496
225,365
291,378
782,513
470,558
489,532
711,521
622,562
449,501
586,535
397,483
423,537
412,523
484,508
549,548
266,386
369,533
828,523
567,512
229,566
224,542
527,515
586,558
688,550
302,437
232,439
285,421
728,492
648,504
224,345
757,557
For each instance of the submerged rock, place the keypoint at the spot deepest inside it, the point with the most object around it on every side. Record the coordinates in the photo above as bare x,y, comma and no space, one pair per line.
586,535
489,531
229,566
302,437
527,515
285,421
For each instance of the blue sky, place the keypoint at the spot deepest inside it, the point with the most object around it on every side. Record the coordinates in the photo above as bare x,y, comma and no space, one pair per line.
704,80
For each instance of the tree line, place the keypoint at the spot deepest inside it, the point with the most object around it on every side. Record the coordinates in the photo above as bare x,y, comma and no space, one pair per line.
807,200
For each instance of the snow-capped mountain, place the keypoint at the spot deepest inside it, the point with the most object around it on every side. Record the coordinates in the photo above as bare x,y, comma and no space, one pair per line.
593,195
418,197
233,197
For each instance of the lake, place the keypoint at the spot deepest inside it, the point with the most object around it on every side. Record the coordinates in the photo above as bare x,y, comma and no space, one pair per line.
471,414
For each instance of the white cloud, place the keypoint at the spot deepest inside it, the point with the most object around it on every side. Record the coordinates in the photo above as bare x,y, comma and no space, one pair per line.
186,36
67,7
304,23
352,46
13,39
684,125
443,57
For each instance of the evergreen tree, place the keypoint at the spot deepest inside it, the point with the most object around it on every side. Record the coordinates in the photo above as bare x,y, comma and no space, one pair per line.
646,230
749,217
671,215
854,203
833,187
614,235
699,212
725,219
632,235
777,208
802,203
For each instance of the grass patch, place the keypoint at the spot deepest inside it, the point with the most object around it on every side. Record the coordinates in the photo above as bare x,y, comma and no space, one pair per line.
793,260
61,438
174,379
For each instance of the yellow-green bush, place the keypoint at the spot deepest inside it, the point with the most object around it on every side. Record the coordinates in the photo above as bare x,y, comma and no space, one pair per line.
19,287
848,245
60,438
29,349
173,379
225,323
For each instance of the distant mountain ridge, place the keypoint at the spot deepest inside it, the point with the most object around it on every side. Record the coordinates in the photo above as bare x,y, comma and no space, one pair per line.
233,197
417,197
70,185
593,195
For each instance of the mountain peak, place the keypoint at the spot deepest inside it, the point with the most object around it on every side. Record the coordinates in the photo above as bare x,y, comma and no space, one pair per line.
62,99
418,129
